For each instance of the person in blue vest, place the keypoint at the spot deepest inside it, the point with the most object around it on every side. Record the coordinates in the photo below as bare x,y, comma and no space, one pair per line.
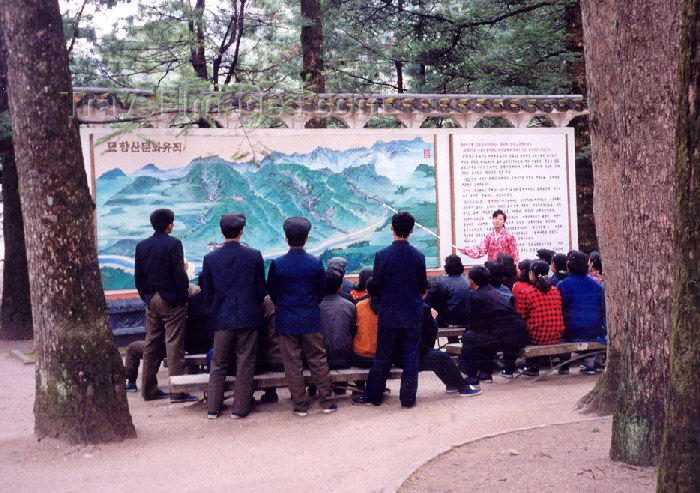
233,278
162,283
400,280
296,282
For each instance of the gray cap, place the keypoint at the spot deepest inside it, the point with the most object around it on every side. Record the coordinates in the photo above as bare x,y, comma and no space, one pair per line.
296,226
339,263
232,220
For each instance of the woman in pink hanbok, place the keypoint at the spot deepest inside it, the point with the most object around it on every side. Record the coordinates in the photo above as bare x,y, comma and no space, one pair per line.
499,240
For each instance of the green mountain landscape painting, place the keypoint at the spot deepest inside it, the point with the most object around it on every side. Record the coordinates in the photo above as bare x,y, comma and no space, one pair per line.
344,192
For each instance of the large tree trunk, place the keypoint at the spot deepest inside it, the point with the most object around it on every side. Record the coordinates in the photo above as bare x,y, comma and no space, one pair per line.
80,394
584,167
16,320
631,63
312,46
679,468
198,58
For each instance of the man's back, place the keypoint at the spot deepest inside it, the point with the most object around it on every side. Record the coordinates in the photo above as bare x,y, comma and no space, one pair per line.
451,299
159,268
233,277
401,280
491,313
338,325
296,283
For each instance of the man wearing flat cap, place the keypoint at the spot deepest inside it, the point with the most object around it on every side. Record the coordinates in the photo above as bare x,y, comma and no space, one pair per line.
296,282
233,279
162,283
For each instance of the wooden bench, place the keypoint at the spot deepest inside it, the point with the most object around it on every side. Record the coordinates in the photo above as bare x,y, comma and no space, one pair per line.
199,382
453,331
586,347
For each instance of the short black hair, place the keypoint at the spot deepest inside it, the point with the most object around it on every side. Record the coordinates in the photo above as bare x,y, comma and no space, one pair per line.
403,223
559,261
496,271
499,212
365,275
480,275
577,263
546,254
334,279
524,268
296,229
161,219
453,265
596,260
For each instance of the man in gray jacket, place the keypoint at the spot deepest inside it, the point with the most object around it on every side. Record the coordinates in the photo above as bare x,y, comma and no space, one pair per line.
337,322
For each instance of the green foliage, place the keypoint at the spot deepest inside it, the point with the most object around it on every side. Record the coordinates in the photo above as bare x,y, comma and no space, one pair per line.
436,46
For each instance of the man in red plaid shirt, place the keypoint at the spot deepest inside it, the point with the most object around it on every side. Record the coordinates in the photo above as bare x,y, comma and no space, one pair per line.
540,306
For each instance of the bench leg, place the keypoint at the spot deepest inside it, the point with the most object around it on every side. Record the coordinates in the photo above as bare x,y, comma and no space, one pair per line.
571,360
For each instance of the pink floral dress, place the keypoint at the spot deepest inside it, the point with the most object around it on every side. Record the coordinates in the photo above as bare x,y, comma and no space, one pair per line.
493,244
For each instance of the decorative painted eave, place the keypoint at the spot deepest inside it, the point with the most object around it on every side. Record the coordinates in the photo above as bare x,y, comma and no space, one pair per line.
99,106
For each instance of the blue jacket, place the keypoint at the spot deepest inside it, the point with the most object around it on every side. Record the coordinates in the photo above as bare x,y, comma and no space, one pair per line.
583,306
159,267
400,281
296,282
233,278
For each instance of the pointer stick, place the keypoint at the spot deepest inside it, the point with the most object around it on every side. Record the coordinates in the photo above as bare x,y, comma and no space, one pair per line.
417,224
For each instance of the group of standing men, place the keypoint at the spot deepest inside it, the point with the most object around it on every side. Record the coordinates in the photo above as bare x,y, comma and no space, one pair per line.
233,279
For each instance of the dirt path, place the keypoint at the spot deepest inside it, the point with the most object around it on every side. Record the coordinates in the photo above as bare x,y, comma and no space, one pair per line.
357,449
571,457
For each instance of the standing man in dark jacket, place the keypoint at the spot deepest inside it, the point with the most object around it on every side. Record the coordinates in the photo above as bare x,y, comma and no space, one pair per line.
296,282
162,283
401,280
494,326
233,278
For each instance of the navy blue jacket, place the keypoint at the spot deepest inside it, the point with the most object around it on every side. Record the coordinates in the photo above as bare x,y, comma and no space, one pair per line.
400,280
296,282
160,268
233,278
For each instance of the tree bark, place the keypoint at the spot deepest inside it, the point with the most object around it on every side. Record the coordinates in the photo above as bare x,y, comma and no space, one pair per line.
679,468
631,51
80,394
197,55
584,167
16,319
312,46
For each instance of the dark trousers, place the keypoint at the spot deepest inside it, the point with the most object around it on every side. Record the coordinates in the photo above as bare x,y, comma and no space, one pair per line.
390,342
442,365
134,353
294,348
244,343
165,328
479,351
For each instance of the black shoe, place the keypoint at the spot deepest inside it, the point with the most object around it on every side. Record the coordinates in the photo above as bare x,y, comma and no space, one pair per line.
157,395
360,401
531,371
269,397
178,398
485,377
588,371
507,375
564,370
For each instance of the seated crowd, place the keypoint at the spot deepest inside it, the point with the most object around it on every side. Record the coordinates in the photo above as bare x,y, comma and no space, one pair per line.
305,316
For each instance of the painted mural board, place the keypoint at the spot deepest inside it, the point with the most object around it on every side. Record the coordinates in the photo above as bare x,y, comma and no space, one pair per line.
344,183
337,178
